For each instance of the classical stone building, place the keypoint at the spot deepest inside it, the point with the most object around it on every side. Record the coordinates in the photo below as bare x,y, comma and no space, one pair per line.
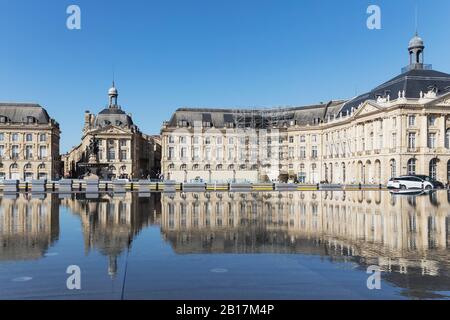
29,143
124,150
400,127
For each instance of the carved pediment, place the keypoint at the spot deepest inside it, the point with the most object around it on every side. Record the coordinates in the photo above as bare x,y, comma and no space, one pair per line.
441,101
366,109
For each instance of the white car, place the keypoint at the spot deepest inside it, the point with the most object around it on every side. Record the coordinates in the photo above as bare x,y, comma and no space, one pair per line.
410,182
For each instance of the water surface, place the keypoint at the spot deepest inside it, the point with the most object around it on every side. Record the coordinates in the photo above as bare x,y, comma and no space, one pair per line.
270,245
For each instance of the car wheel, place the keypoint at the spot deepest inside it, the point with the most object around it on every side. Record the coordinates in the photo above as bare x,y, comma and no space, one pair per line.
402,187
428,187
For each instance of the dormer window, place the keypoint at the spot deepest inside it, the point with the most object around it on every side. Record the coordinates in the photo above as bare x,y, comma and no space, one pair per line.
183,123
118,123
3,119
206,124
31,120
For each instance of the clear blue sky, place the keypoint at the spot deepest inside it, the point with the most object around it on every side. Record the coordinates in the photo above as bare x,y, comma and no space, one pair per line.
205,53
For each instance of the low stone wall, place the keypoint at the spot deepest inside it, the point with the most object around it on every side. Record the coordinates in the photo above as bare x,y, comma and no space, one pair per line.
146,186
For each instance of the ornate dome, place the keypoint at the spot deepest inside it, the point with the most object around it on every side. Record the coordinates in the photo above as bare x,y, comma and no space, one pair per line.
416,42
113,116
113,91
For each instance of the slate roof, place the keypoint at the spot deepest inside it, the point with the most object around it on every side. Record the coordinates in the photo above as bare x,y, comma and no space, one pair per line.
19,112
113,116
412,82
219,118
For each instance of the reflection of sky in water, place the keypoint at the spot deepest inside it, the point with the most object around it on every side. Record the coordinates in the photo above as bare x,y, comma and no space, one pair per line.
299,245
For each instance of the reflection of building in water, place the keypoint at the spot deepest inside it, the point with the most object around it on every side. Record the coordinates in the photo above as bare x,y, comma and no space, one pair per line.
28,226
403,235
111,223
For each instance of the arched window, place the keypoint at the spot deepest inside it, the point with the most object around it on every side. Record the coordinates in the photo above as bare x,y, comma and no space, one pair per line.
412,166
171,166
14,166
41,166
433,168
219,167
28,166
393,165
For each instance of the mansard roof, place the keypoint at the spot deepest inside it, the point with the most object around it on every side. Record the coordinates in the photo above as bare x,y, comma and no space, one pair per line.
20,113
412,82
219,118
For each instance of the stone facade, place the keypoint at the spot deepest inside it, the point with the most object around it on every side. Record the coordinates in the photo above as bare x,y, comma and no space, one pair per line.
124,150
29,143
401,127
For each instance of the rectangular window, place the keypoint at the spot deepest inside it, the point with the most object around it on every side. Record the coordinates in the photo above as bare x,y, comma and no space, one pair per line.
219,154
230,153
432,140
411,140
314,138
411,121
183,153
291,139
196,153
314,152
182,140
29,137
2,136
208,154
219,140
123,142
291,153
42,152
302,152
302,138
15,152
230,141
123,154
171,139
242,153
171,153
15,137
111,153
394,141
196,140
432,121
28,152
42,137
2,151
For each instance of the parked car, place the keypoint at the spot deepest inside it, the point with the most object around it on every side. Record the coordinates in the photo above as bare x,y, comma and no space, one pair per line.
421,182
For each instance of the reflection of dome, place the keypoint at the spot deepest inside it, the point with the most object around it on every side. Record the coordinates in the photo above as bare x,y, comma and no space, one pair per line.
416,42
